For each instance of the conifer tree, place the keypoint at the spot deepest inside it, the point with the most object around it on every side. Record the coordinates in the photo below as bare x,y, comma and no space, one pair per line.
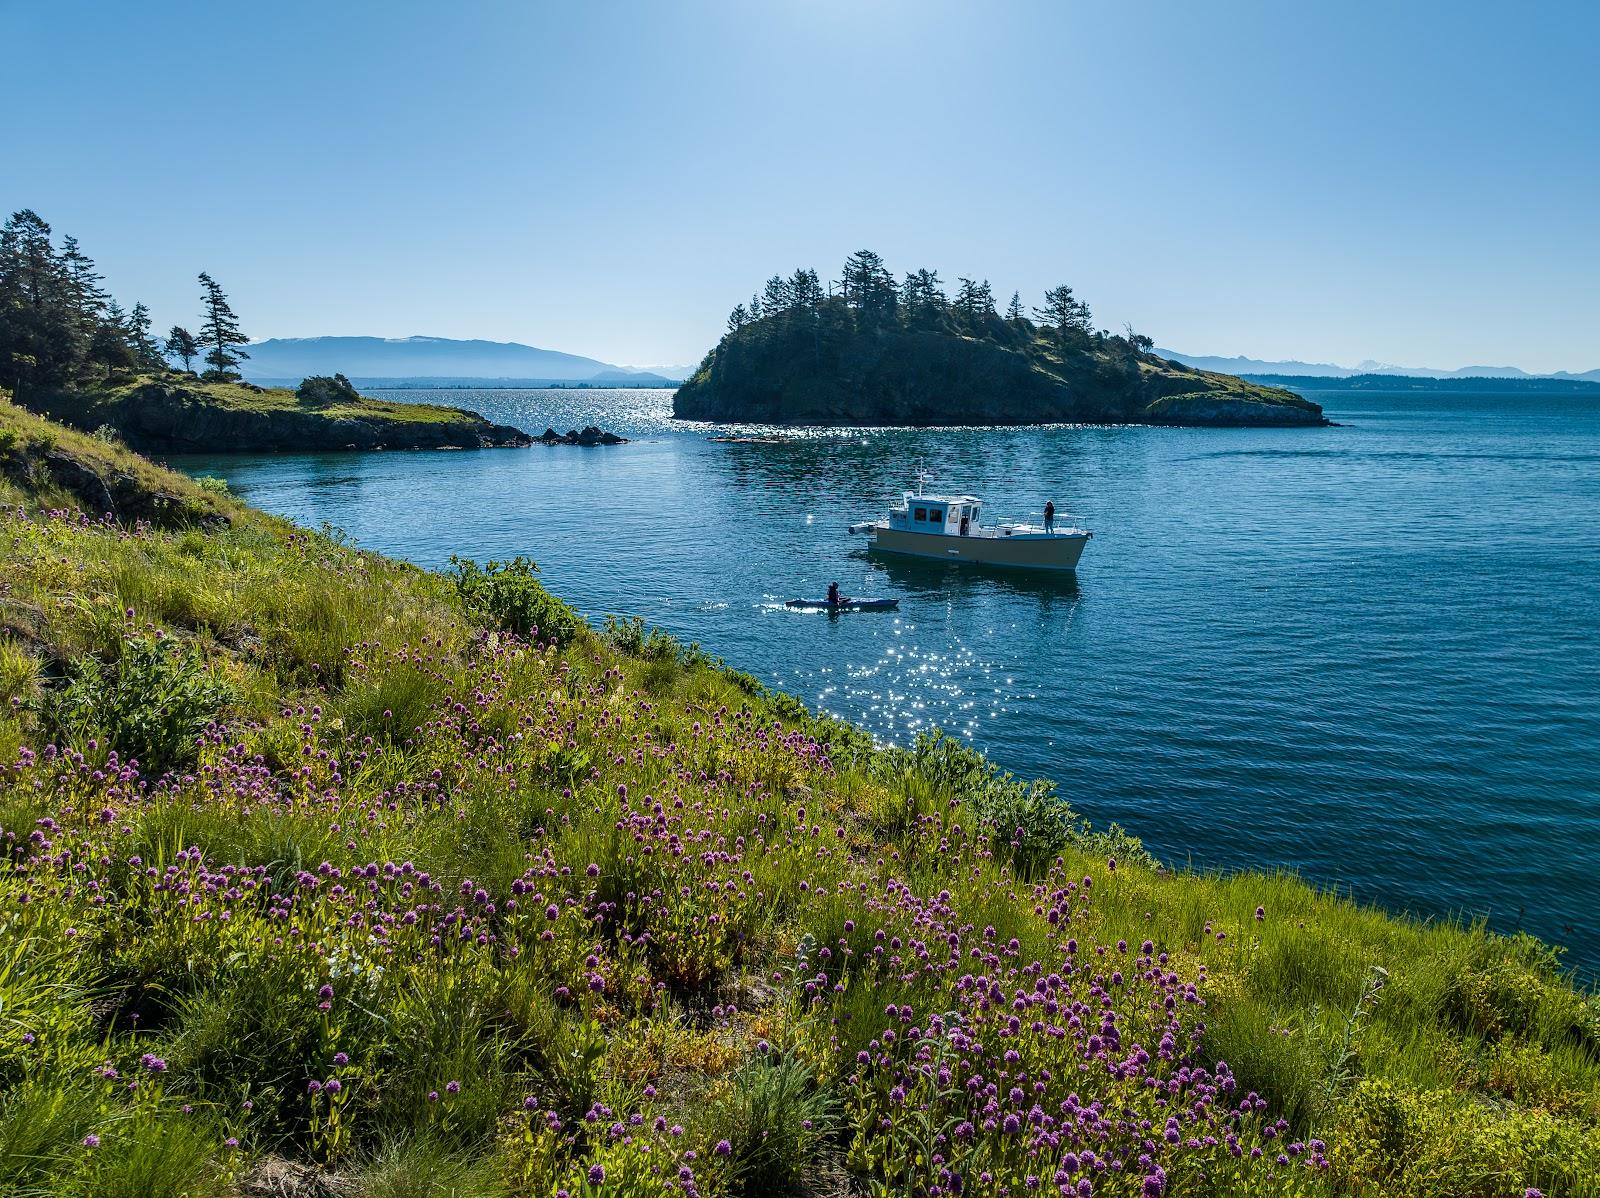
84,282
145,351
1014,308
776,298
1066,315
975,302
869,288
108,343
219,331
923,297
182,345
41,338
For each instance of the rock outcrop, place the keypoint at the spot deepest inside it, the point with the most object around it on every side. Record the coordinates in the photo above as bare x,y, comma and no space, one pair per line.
588,436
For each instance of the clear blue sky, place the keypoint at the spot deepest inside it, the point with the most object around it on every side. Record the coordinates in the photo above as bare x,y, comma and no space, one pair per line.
1334,181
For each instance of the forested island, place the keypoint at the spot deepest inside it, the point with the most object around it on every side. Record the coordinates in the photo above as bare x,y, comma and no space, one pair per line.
871,350
70,351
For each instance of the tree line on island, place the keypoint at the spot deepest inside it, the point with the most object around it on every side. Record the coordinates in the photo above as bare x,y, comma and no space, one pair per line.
868,298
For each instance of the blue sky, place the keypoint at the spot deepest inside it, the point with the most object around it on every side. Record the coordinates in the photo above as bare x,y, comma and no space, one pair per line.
1411,183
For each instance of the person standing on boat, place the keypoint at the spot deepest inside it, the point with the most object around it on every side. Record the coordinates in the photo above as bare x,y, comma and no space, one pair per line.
1049,515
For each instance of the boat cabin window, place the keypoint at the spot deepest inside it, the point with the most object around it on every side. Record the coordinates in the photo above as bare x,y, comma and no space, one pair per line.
922,513
936,514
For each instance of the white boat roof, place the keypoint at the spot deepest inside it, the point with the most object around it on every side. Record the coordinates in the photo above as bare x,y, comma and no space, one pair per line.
915,498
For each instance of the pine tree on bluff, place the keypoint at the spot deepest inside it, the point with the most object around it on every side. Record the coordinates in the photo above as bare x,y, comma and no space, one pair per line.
57,325
1069,317
83,281
108,343
870,289
219,332
922,296
1014,309
975,302
777,297
41,340
182,345
145,351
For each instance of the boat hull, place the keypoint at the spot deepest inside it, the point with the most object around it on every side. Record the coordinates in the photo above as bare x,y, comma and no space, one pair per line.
1029,551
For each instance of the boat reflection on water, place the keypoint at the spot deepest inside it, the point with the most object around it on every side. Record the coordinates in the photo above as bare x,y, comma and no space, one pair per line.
931,579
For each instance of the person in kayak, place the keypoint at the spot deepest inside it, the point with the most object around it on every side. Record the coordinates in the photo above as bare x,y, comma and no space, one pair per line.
1049,515
835,599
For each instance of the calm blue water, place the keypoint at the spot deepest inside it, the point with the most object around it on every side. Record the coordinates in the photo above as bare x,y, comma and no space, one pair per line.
1370,653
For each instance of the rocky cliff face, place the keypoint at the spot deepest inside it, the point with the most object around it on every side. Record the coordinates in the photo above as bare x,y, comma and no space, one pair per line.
931,378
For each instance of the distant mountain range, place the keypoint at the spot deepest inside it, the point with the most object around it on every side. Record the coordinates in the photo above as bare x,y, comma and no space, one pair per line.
437,361
1255,366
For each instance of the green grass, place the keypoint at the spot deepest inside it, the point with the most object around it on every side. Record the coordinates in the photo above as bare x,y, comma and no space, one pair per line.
93,407
380,716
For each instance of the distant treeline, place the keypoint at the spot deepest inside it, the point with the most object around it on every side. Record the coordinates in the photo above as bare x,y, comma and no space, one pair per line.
1405,382
60,328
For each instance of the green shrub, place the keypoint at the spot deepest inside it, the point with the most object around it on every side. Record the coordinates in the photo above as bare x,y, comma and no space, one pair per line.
1028,823
509,595
633,636
19,673
774,1119
1395,1142
213,485
149,704
321,391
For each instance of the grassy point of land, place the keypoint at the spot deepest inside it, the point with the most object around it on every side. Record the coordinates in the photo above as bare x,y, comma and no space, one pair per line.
322,874
175,412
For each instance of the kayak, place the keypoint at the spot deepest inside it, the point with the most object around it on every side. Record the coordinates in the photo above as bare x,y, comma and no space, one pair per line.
846,605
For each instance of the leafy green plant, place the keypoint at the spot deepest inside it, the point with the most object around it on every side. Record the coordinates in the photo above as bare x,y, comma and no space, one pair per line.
321,391
1340,1067
510,595
19,673
775,1118
632,636
149,704
213,485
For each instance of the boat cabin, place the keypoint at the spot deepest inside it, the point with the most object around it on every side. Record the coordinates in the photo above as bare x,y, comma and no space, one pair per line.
949,515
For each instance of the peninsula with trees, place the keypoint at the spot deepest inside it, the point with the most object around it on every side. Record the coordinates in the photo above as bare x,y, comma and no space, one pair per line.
873,350
70,351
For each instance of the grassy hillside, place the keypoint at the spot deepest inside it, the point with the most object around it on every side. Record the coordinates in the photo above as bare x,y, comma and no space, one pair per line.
174,413
321,874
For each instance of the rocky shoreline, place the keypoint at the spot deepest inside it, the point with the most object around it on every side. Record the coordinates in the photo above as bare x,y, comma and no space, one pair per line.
589,436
